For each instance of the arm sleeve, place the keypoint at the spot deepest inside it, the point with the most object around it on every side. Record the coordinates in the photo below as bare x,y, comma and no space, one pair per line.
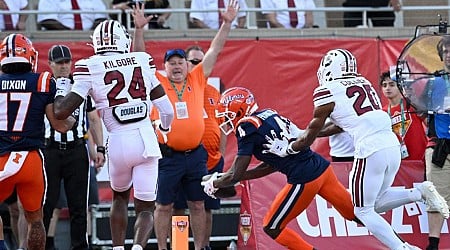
165,109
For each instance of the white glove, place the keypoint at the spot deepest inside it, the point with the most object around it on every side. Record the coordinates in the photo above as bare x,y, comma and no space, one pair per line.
276,146
208,185
281,147
63,86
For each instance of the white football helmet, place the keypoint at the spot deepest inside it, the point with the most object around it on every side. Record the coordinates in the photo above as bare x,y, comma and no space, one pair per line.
111,36
337,63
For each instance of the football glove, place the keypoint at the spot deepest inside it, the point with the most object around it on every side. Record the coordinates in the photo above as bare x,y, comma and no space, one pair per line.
163,131
63,86
281,147
208,185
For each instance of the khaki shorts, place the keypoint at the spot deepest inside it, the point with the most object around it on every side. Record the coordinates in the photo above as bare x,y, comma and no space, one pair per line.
439,176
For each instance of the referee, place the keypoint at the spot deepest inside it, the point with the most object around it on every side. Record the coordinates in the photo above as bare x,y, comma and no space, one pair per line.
67,157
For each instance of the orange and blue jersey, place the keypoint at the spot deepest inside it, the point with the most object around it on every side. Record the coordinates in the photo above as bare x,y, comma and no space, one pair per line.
211,137
23,98
251,136
185,134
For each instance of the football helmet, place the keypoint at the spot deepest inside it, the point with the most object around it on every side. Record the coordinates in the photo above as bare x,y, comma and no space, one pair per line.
17,48
111,36
234,104
337,63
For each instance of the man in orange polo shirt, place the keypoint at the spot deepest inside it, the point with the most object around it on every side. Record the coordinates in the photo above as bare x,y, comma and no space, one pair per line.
184,158
213,140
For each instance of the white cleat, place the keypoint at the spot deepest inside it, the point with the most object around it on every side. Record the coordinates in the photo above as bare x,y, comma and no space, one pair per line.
433,199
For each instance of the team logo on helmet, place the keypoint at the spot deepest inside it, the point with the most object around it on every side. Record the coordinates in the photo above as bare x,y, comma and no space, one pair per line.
336,64
111,36
235,103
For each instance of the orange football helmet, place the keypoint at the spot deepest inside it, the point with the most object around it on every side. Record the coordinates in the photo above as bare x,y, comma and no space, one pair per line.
17,48
234,104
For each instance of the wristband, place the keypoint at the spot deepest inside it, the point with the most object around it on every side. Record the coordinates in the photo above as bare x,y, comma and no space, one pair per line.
101,149
290,150
163,130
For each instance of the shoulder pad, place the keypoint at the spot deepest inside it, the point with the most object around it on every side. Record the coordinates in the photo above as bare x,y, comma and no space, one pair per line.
255,121
81,68
321,93
44,82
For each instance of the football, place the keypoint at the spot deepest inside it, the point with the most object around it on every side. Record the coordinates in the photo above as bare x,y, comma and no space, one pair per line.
225,192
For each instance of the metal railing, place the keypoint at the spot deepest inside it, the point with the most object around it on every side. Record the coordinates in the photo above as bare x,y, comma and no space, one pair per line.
251,23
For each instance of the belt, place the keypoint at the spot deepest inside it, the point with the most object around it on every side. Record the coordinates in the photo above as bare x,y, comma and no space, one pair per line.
187,152
168,151
64,145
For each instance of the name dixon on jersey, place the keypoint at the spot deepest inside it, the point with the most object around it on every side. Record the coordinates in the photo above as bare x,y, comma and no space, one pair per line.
14,84
120,62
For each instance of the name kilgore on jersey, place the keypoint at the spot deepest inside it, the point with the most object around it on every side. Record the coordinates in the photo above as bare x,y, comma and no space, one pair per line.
344,228
120,84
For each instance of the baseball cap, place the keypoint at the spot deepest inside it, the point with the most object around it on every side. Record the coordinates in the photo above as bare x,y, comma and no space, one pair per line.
174,52
59,53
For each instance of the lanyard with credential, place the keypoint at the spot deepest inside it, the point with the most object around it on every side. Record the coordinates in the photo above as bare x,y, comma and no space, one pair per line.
402,114
179,93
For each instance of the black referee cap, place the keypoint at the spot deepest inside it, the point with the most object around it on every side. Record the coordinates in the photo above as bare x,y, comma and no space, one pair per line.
58,53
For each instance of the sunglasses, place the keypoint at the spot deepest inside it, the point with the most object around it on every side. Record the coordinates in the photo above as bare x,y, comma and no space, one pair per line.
195,61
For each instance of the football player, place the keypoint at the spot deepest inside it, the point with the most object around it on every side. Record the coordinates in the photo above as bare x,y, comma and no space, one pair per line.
124,88
307,172
26,98
352,104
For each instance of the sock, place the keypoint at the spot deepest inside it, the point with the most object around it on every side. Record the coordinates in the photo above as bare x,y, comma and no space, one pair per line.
118,248
434,242
2,245
136,247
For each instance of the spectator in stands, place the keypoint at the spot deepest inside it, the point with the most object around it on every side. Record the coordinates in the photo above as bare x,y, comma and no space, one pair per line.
407,124
288,19
13,21
157,21
67,21
213,20
378,18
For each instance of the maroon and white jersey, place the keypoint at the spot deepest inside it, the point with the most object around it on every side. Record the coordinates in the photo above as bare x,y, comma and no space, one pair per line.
120,85
358,111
